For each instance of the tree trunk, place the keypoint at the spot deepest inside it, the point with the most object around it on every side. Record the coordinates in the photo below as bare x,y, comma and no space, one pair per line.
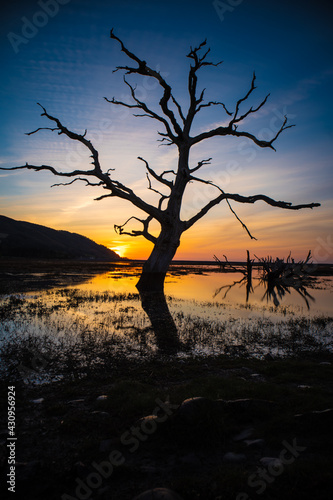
156,266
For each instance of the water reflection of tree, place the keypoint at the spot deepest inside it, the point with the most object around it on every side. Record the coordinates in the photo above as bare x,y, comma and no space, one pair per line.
277,288
164,327
278,277
246,280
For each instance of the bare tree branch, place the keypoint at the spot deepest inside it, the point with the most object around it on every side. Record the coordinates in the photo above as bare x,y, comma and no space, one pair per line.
159,178
231,129
246,199
200,164
38,168
180,111
242,223
145,70
42,128
229,205
145,222
141,105
162,196
199,62
88,183
252,88
72,135
213,103
117,188
222,131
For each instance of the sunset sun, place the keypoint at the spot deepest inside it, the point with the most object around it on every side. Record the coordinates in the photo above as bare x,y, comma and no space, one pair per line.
119,249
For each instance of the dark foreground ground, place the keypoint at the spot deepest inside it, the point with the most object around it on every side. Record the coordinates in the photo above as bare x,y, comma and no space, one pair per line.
260,429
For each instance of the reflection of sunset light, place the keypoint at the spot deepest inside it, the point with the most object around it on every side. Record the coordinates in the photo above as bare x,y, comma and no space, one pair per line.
120,250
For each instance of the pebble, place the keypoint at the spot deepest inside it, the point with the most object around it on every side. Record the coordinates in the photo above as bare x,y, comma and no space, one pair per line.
37,401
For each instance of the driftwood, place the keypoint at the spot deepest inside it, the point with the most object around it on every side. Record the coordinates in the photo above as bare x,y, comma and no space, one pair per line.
278,276
281,276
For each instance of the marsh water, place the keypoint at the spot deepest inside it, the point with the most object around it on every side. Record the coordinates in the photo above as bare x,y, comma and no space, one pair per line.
86,324
196,286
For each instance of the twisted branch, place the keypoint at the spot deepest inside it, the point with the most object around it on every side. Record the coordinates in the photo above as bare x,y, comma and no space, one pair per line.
245,199
145,222
229,205
145,70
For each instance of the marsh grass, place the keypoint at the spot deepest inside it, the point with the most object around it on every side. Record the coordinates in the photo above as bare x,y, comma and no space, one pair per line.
72,333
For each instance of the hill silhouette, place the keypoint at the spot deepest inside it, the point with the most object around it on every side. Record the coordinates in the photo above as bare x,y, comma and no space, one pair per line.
24,239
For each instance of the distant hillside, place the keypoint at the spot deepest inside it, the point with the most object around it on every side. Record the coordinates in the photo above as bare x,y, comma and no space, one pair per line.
23,239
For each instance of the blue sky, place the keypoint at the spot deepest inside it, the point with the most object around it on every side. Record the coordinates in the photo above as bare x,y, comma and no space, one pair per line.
59,53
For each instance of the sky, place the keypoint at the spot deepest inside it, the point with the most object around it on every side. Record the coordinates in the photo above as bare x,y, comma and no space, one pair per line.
59,53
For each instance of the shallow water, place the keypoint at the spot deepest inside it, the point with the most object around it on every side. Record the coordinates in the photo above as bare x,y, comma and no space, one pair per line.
85,325
224,289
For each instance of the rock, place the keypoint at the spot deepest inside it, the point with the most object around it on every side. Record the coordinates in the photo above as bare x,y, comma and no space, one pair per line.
75,401
304,386
192,405
148,418
234,457
103,397
37,401
149,424
158,494
198,410
244,434
103,414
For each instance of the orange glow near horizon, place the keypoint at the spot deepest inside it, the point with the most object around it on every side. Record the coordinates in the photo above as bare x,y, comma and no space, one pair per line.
120,250
277,233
